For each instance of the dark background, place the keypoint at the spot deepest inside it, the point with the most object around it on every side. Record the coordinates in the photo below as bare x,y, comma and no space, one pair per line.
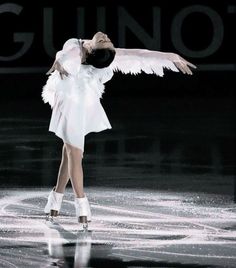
24,76
176,125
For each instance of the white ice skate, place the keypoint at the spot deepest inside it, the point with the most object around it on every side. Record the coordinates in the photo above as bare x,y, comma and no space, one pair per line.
83,212
53,205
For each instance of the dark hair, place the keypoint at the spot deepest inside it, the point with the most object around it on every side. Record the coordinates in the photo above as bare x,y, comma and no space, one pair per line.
100,58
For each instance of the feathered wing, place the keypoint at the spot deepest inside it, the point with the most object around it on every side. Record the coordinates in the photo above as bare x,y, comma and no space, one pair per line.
135,61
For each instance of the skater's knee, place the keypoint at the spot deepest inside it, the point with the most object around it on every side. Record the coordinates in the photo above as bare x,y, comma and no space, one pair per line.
73,152
64,152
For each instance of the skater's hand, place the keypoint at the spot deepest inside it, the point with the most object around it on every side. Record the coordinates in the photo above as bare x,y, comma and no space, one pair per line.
57,66
182,64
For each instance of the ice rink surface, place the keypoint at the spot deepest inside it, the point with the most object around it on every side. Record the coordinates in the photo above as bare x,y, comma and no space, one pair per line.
129,228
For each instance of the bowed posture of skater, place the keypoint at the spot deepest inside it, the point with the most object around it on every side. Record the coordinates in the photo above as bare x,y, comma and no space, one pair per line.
74,88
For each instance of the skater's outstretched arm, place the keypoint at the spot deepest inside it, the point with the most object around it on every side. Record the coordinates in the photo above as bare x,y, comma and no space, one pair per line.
135,61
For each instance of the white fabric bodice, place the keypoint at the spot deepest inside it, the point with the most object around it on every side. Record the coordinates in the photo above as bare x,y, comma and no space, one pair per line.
82,79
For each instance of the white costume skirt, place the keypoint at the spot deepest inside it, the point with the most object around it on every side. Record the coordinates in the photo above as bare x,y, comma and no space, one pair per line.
71,120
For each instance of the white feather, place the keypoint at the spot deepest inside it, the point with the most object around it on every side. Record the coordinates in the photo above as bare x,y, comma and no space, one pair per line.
135,61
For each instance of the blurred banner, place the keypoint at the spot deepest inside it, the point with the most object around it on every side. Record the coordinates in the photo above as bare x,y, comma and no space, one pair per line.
33,31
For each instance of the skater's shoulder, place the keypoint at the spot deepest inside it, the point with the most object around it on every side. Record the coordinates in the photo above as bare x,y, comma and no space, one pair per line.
71,43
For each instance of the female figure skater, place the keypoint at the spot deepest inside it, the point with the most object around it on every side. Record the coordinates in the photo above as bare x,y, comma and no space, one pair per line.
74,89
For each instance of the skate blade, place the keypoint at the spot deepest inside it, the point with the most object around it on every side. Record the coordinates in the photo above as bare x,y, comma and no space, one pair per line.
84,231
50,222
84,228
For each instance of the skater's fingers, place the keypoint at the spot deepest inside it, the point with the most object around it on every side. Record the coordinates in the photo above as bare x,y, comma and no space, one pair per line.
179,66
187,69
186,65
191,65
50,71
187,62
65,73
183,67
61,75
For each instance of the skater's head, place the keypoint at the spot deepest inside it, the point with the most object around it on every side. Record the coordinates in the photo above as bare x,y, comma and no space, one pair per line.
100,58
100,51
101,40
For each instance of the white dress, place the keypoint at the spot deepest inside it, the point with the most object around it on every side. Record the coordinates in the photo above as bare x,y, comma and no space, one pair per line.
75,99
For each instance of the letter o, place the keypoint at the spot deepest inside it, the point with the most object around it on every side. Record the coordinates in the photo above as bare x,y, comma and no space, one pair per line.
218,31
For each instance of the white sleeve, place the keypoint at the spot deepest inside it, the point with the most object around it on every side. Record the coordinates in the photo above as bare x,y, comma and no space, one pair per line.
70,55
106,75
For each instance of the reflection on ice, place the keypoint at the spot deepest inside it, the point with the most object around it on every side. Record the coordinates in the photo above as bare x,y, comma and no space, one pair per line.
83,249
59,243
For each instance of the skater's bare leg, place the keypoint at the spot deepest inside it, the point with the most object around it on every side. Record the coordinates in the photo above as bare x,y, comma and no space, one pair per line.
75,169
63,174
